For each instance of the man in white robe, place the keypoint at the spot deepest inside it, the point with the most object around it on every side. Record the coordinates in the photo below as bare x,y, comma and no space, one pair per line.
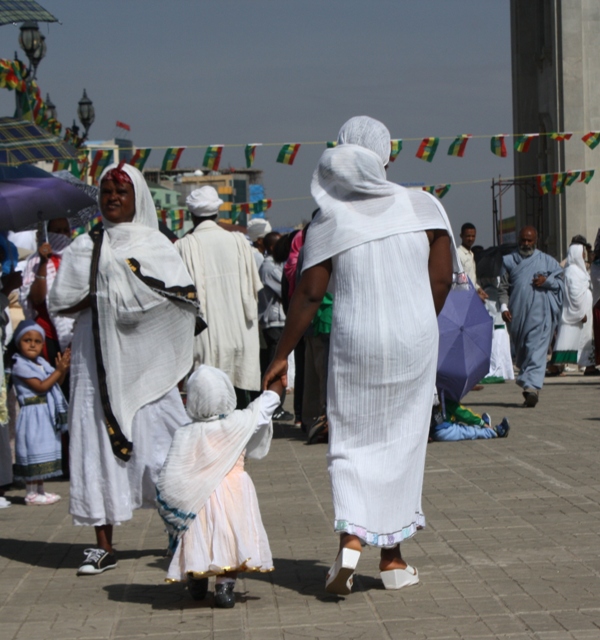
224,271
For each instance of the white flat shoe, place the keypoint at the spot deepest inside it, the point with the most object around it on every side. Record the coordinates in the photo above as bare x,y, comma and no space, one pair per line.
339,579
398,578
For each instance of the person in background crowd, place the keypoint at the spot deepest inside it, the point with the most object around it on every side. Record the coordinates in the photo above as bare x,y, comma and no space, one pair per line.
224,271
531,295
468,233
256,230
271,315
136,309
575,332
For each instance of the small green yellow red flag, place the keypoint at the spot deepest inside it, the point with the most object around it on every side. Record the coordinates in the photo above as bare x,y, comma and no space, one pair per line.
544,183
396,148
498,146
250,153
586,176
212,157
592,139
458,146
427,149
331,144
138,159
571,177
171,159
441,190
177,216
101,159
523,142
561,136
287,153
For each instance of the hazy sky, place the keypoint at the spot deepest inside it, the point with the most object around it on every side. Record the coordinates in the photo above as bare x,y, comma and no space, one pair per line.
200,72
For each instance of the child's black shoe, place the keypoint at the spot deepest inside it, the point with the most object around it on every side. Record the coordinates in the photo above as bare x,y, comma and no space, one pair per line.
198,587
224,596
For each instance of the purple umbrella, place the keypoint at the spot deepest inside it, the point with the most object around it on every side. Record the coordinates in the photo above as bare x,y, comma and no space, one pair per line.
30,195
465,343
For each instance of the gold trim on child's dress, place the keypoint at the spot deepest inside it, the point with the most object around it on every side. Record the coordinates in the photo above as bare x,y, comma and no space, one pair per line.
242,568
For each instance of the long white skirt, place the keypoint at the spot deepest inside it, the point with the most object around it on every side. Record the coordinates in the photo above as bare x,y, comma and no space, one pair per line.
104,489
382,364
226,535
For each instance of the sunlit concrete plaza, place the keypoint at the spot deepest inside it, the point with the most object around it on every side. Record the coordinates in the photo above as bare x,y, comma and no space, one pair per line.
511,550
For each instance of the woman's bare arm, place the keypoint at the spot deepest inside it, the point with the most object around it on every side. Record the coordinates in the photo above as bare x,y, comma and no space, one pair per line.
440,267
303,306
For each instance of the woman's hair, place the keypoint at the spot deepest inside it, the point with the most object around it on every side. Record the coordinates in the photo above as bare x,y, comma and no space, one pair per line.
283,246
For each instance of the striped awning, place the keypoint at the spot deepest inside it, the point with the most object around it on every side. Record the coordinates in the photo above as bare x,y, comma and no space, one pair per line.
23,141
22,10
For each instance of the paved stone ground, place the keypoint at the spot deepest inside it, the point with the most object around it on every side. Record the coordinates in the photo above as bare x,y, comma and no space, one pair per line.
512,547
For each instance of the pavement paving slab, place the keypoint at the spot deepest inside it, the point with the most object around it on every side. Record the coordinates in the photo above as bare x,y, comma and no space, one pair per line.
511,549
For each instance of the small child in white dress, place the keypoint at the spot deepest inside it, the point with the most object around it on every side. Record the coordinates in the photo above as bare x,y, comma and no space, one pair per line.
205,497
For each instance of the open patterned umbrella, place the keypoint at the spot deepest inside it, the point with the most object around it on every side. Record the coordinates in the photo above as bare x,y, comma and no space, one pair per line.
465,347
28,195
12,11
22,141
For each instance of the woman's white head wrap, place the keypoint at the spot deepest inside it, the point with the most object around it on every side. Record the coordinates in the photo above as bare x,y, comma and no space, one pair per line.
357,202
204,202
578,297
145,209
210,394
369,133
258,228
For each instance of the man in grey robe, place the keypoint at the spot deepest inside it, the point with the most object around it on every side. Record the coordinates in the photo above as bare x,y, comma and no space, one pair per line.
530,294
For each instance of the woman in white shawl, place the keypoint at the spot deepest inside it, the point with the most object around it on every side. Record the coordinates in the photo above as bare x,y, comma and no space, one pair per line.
136,309
386,252
575,331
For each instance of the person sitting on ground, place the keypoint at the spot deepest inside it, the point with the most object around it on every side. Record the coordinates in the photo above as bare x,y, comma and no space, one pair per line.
461,423
205,497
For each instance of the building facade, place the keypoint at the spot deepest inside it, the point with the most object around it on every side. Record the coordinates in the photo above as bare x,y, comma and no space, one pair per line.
556,87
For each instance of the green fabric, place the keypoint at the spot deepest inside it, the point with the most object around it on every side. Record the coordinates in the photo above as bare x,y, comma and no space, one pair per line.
323,318
492,380
456,412
564,357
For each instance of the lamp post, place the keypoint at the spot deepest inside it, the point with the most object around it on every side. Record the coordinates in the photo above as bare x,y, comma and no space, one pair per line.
86,113
50,108
33,44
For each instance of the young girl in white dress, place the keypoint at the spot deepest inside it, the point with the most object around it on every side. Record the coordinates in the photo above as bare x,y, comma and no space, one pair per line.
43,414
205,497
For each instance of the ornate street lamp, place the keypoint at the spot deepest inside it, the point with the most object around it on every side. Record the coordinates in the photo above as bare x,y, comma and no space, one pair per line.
33,44
86,113
50,108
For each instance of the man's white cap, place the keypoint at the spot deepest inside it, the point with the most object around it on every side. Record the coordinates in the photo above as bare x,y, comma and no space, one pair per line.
258,228
204,202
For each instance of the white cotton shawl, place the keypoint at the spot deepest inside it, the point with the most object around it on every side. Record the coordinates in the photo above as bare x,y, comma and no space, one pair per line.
62,324
358,205
578,294
204,452
146,329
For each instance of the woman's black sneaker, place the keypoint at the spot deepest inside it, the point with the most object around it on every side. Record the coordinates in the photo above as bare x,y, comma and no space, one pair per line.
224,596
96,561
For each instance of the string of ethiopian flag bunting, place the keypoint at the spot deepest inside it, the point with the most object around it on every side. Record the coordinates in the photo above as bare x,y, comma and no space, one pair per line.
457,148
560,136
288,152
396,148
171,159
427,149
212,157
440,190
331,144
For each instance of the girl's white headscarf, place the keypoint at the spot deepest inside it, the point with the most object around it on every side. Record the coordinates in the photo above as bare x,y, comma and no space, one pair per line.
205,451
146,305
357,202
578,294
